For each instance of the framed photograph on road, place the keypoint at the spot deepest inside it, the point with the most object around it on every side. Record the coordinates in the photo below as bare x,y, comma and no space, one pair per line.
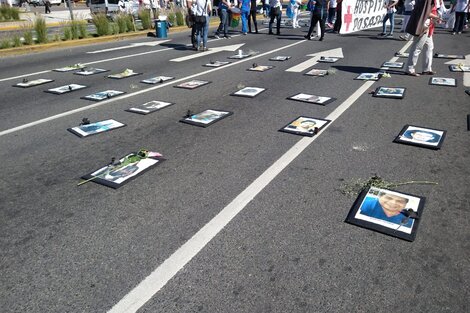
95,128
124,74
387,211
217,63
149,107
103,95
305,126
65,89
402,55
70,68
31,83
280,58
193,84
240,55
459,68
328,59
206,118
249,92
421,136
393,64
390,92
89,71
117,174
317,72
368,76
260,68
443,81
448,56
304,97
156,80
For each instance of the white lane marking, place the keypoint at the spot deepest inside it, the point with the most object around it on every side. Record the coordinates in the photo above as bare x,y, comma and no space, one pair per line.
210,51
153,283
132,45
338,53
50,118
24,75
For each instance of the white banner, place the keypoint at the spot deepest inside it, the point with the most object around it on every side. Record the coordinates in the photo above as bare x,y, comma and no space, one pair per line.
361,14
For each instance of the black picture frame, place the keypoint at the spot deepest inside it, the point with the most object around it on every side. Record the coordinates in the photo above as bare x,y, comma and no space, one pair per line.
260,68
317,72
443,81
328,59
402,55
248,92
114,178
369,76
156,80
69,68
424,137
32,83
65,89
314,99
280,58
468,121
459,68
448,56
305,126
467,91
124,74
149,107
393,64
103,95
216,63
90,71
389,92
240,55
95,128
206,118
368,212
193,84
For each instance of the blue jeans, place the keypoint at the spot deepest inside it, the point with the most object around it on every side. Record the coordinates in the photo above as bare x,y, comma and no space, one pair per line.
388,16
223,26
201,33
245,16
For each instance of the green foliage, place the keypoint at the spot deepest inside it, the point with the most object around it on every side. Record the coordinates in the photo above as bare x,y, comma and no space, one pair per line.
144,16
130,23
75,28
17,41
15,14
171,18
41,30
179,18
82,29
121,20
56,37
28,37
67,33
114,28
101,23
5,43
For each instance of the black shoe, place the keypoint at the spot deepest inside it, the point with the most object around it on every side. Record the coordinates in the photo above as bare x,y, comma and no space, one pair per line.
321,39
307,37
270,33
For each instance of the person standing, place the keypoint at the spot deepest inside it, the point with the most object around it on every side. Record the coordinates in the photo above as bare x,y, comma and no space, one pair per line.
295,7
47,7
245,14
252,16
421,25
409,6
390,6
200,8
319,13
224,6
275,13
460,8
339,17
331,13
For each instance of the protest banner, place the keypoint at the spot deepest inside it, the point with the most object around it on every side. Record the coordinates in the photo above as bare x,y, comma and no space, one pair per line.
358,15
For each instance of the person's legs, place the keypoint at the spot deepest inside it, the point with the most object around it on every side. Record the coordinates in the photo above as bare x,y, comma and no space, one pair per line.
295,14
221,24
225,22
253,17
384,26
278,23
313,21
461,22
206,32
322,28
406,18
392,22
199,27
271,21
427,60
338,22
244,15
415,51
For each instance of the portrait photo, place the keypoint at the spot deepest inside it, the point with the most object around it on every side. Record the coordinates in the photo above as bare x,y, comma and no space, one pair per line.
280,58
95,128
65,89
449,56
443,81
128,168
421,136
124,74
206,118
459,68
192,84
387,211
390,92
328,59
217,63
393,64
69,68
156,80
402,55
260,68
240,55
305,126
368,76
103,95
249,92
149,107
87,71
30,83
304,97
317,72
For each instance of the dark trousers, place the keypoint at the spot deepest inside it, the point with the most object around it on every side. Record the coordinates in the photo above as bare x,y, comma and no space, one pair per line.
317,17
252,16
338,21
47,7
278,21
459,21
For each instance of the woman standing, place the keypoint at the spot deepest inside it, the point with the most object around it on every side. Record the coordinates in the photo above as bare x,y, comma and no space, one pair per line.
319,13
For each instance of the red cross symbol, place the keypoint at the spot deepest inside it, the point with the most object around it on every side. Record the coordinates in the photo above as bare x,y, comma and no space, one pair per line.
348,18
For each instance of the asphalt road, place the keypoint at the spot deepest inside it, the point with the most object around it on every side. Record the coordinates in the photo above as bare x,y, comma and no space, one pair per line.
284,246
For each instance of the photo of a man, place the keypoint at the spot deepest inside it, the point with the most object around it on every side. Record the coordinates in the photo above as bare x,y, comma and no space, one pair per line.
421,136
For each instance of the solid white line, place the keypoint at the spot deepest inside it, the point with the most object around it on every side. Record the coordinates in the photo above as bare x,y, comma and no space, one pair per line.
25,75
50,118
144,291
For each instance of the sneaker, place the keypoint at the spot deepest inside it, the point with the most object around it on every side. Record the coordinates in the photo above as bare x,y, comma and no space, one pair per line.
244,33
403,38
270,33
429,73
459,33
227,37
453,33
204,49
382,34
216,36
307,37
388,35
412,74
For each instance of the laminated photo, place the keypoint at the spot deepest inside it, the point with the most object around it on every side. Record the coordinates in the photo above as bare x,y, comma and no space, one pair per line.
103,95
443,81
124,74
368,76
70,68
390,92
249,92
421,136
192,84
217,63
240,55
90,71
387,211
328,59
149,107
206,118
402,55
305,126
393,64
459,68
30,83
280,58
156,80
449,56
95,128
260,68
65,89
317,72
305,97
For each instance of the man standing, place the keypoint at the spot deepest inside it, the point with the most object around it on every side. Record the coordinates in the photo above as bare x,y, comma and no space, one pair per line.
224,6
319,13
275,13
47,6
390,6
252,16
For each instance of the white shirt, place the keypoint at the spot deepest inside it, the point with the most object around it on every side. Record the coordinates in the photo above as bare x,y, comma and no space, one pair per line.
200,7
274,3
389,2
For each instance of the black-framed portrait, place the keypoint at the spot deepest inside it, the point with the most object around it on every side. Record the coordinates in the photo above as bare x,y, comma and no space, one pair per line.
280,58
443,81
393,64
390,92
317,72
387,211
217,63
65,89
241,55
448,56
95,128
305,126
124,74
328,59
156,80
103,95
206,117
421,136
193,84
70,68
125,170
309,98
31,83
368,76
249,92
459,68
149,107
87,71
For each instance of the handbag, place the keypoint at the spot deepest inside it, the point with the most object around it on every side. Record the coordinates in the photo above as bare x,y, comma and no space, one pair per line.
201,19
